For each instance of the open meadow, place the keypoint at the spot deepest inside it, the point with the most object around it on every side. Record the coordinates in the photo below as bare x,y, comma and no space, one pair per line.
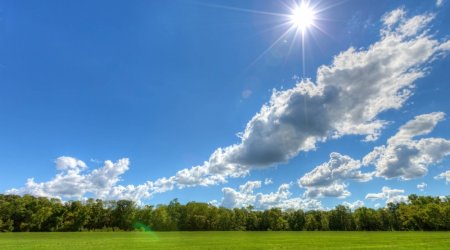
226,240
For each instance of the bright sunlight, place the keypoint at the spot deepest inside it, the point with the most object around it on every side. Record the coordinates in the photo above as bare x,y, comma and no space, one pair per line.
303,17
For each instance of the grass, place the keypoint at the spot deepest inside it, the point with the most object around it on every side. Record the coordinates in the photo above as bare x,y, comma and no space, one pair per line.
226,240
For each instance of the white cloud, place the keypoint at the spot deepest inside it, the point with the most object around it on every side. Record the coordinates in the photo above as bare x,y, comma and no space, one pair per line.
102,179
354,205
70,164
443,176
72,182
328,179
421,186
333,190
393,17
412,26
406,158
268,181
246,196
390,195
249,186
439,3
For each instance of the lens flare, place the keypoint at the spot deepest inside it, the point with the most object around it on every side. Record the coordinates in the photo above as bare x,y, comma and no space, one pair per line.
139,226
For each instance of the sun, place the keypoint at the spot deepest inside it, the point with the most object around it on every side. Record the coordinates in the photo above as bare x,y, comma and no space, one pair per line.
302,16
300,21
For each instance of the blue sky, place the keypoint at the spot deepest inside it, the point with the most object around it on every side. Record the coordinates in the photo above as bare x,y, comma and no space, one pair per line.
167,86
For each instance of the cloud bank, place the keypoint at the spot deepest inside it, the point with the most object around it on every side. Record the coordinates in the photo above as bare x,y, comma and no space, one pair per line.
73,182
282,198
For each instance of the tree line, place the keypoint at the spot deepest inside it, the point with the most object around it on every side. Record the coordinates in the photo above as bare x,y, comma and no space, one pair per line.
39,214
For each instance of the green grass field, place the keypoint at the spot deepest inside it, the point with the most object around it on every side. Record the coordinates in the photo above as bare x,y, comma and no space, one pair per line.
227,240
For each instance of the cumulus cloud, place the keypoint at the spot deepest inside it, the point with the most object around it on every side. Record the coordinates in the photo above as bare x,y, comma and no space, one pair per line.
354,205
443,176
328,179
406,158
439,3
390,195
72,182
402,157
346,99
70,164
421,186
246,196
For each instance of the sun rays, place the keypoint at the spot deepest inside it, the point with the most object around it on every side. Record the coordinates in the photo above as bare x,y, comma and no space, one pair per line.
303,16
299,20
